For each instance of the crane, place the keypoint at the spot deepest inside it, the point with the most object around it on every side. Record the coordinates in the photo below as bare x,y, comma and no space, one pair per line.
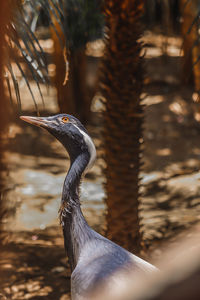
96,262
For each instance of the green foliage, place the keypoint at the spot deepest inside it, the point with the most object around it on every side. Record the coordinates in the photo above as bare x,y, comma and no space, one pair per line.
83,22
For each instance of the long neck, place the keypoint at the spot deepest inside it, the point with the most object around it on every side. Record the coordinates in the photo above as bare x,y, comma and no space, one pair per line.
75,228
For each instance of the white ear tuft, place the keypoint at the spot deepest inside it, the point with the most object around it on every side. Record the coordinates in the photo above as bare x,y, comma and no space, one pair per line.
91,148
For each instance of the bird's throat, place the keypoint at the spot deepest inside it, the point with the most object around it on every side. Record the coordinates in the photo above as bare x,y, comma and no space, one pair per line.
70,194
75,227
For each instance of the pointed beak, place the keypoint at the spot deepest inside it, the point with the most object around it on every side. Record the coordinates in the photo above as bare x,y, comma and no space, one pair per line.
37,121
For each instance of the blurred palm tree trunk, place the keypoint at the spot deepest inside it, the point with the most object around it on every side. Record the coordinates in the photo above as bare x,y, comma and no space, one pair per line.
4,115
82,23
4,17
73,97
122,86
191,48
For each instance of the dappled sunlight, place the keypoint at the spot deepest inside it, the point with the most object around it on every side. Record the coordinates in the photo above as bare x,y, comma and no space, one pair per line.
155,99
163,152
26,274
175,191
95,48
47,45
170,179
37,184
52,70
33,263
178,107
158,45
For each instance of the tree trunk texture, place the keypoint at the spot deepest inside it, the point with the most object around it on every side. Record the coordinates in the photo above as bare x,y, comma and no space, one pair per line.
191,50
73,97
122,85
4,111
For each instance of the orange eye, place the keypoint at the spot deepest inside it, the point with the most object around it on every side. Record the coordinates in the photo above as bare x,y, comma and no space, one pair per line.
65,119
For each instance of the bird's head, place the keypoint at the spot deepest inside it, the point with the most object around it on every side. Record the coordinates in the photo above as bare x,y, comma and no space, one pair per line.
69,131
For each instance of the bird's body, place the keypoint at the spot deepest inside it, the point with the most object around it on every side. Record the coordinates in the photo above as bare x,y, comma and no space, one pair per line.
97,264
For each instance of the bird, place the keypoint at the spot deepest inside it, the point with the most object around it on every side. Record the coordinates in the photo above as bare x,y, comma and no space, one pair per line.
97,263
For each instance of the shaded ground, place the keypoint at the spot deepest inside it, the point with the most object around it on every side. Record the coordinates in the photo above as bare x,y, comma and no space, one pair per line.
34,266
33,261
171,194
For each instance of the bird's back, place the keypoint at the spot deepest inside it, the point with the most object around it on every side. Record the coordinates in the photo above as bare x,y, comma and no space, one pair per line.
103,265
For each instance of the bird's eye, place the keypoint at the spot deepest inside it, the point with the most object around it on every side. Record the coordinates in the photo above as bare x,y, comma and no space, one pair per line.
65,119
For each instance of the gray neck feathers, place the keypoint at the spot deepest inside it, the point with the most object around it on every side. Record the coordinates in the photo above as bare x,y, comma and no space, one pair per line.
70,194
75,228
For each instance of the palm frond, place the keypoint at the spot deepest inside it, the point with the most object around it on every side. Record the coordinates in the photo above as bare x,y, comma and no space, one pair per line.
57,14
50,12
9,89
32,38
15,84
194,21
23,46
184,5
59,9
80,21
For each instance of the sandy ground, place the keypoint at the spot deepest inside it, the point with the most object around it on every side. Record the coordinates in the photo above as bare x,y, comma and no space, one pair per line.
33,261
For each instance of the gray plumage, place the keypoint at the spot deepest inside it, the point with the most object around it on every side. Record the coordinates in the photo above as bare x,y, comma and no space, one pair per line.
94,260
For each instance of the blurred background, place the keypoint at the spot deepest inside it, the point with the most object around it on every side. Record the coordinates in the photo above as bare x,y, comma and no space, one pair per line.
130,71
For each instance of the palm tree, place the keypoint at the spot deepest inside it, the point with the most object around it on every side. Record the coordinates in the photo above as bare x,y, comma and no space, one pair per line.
122,86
